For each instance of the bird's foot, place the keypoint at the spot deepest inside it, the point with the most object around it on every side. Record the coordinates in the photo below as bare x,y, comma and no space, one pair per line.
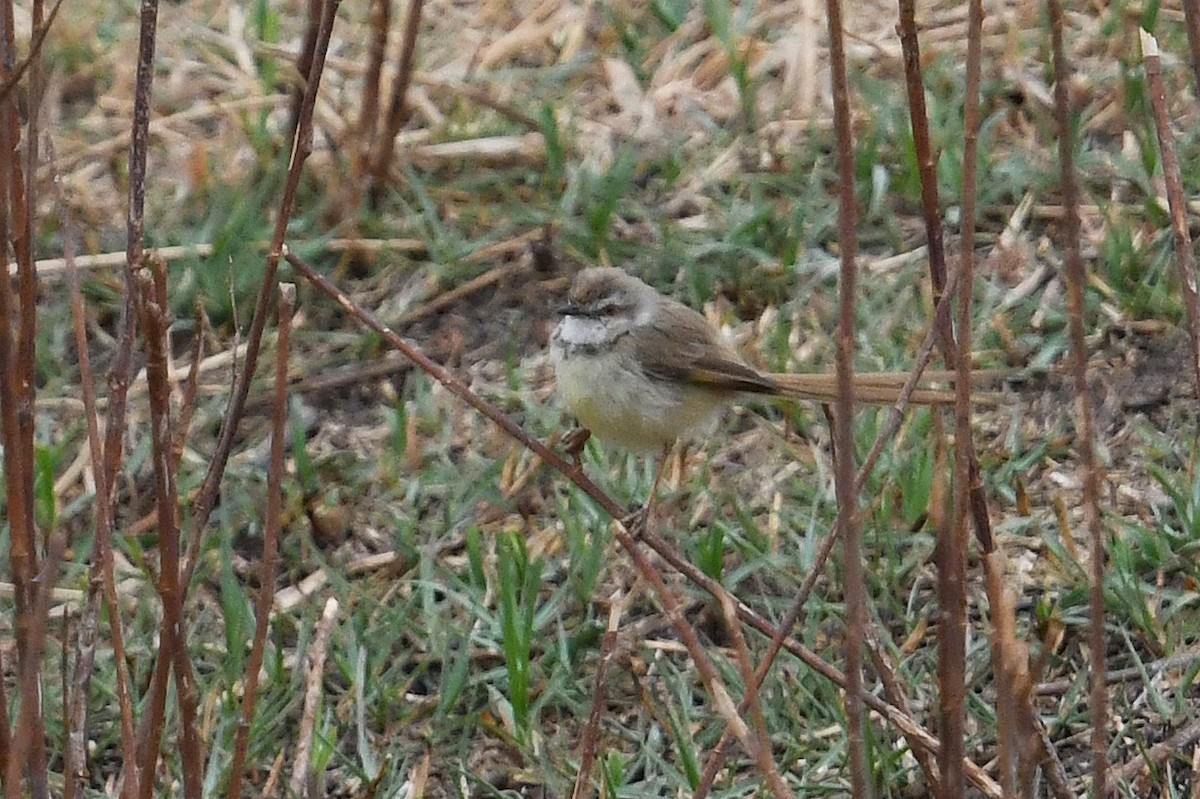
574,442
635,522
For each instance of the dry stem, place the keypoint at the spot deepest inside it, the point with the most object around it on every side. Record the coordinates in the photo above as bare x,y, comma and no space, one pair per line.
102,577
843,420
206,497
301,775
271,527
1185,259
1085,435
952,538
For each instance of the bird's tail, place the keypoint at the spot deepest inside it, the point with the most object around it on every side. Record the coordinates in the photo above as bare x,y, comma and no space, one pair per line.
883,388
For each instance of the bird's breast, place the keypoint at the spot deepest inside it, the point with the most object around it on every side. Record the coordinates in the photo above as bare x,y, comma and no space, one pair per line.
607,390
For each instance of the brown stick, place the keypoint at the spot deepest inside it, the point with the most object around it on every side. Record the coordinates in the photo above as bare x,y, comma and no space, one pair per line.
1085,438
101,567
1156,754
591,729
722,702
35,51
5,737
1130,674
1010,661
274,512
150,727
206,497
953,540
742,658
397,113
30,727
1191,18
926,160
173,649
894,689
1185,259
369,106
16,437
304,62
843,421
313,678
188,405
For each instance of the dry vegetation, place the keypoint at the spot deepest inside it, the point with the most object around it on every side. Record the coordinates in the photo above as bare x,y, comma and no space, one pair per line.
479,596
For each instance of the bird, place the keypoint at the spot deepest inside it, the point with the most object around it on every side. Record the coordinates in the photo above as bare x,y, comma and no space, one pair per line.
640,370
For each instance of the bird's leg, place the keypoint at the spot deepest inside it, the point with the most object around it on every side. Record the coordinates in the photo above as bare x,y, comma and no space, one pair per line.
575,441
636,522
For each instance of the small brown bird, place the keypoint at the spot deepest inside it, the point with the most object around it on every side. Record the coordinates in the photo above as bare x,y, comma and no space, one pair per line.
640,370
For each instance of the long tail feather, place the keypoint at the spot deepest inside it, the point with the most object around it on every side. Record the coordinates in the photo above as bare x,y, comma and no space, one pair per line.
878,388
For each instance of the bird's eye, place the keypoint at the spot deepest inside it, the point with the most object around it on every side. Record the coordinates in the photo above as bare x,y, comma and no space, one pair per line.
609,310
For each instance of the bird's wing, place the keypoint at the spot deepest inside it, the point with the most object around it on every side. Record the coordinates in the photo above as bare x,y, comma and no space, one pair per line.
687,350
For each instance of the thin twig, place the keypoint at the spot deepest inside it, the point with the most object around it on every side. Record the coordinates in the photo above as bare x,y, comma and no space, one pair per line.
29,724
1191,19
150,727
481,94
1169,747
271,526
140,134
926,161
397,112
304,61
894,689
766,763
591,728
1185,258
188,404
1129,674
206,497
1010,659
369,106
173,648
41,30
953,540
49,268
101,567
16,437
722,702
313,679
122,365
843,421
1085,435
5,737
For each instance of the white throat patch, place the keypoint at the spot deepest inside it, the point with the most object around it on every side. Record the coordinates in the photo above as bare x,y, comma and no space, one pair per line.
582,331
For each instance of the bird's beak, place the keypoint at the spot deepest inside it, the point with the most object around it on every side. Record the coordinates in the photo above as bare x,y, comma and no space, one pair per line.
570,309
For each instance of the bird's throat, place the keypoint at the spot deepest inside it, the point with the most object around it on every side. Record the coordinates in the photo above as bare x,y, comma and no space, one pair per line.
582,334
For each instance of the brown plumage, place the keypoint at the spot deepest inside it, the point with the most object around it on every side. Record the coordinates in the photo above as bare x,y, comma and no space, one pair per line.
641,369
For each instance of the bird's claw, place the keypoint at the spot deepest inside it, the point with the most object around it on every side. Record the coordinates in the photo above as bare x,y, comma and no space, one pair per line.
574,442
635,521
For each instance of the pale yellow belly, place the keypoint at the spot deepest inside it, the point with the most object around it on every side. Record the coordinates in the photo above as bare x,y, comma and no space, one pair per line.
624,407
